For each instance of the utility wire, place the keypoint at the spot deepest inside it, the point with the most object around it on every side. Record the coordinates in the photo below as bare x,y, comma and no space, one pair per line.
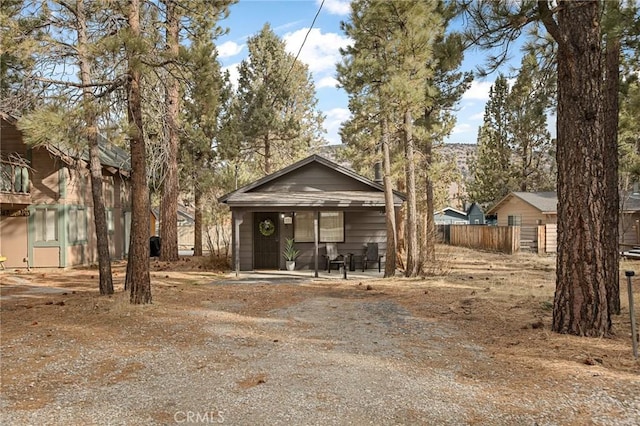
298,54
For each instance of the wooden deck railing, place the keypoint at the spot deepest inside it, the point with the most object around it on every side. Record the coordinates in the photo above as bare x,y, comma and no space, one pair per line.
14,178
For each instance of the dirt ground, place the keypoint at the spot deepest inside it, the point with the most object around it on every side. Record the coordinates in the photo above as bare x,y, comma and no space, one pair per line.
483,321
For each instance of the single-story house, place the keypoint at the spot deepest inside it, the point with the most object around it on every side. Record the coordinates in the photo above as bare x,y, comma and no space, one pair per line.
630,219
186,227
526,209
46,214
314,201
450,216
530,209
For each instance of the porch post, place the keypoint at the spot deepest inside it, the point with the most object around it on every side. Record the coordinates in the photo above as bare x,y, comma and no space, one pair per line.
237,220
315,240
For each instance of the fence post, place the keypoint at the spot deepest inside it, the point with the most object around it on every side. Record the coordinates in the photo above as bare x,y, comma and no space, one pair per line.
634,335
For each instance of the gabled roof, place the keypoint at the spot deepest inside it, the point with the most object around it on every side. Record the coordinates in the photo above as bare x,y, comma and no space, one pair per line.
546,202
453,210
110,154
247,196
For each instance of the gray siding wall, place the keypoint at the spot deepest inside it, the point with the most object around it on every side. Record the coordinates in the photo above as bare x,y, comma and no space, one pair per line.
361,227
314,177
246,243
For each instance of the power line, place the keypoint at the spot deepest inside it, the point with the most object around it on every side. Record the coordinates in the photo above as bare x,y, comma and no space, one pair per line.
299,50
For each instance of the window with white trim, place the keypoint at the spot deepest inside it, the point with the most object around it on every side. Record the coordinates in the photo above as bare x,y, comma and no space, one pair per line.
110,224
77,224
514,220
303,227
331,227
46,224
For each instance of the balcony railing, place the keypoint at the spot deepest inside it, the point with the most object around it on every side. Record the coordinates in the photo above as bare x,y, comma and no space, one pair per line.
14,178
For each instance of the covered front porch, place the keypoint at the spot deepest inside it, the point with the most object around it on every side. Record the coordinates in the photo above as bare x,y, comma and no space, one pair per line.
318,204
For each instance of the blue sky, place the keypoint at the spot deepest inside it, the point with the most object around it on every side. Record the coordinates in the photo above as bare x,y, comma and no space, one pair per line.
291,19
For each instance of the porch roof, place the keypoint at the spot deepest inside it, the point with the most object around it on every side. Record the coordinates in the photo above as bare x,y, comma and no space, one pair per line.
342,199
284,189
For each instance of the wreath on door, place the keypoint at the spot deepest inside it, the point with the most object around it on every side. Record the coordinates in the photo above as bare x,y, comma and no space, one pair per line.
266,227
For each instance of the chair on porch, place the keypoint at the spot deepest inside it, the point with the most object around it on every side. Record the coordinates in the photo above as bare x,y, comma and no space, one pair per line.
372,256
332,257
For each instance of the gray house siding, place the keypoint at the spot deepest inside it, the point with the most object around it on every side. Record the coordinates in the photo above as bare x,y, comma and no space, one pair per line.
475,215
246,242
313,185
361,227
314,177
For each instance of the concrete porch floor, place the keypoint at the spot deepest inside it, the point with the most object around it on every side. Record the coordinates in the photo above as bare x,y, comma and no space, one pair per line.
275,277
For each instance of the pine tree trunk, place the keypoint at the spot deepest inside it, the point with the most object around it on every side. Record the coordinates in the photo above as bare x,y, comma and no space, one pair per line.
611,91
138,266
412,222
267,154
580,303
429,243
197,231
169,202
390,214
99,210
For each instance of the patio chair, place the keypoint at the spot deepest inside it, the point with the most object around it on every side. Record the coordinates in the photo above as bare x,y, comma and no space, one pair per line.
372,256
332,257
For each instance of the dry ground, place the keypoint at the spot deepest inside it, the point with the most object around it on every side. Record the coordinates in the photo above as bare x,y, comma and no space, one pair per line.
470,346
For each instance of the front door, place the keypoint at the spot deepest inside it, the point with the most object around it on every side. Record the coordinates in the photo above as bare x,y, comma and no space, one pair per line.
266,249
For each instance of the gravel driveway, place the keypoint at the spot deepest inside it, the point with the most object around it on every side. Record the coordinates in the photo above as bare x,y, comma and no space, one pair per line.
317,356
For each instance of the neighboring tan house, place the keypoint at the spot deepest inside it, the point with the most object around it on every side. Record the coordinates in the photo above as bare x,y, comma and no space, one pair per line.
46,217
529,209
450,216
526,209
316,202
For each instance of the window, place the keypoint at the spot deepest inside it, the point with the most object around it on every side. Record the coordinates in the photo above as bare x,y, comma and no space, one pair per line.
46,223
331,227
110,226
514,220
303,227
77,224
108,191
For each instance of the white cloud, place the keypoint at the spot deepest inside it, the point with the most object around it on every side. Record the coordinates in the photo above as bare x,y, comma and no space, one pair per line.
478,90
327,82
461,128
477,116
335,117
229,49
320,52
336,7
234,74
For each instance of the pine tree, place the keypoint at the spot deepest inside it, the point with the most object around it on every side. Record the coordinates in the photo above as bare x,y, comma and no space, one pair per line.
138,278
587,183
530,142
276,105
491,169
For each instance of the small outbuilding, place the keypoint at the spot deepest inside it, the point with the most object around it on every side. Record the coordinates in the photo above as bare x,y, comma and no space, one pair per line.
314,201
450,216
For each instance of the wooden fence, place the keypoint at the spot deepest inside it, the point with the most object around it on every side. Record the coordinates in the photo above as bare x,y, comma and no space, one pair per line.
504,239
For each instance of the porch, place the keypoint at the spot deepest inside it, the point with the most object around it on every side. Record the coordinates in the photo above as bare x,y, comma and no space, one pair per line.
299,277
